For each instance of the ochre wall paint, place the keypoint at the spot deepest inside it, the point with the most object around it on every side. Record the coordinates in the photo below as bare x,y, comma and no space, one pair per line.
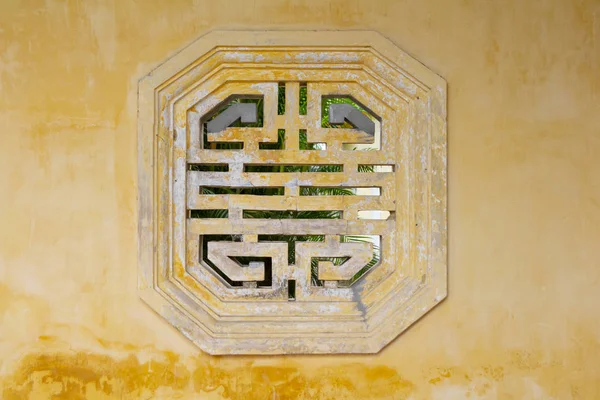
522,317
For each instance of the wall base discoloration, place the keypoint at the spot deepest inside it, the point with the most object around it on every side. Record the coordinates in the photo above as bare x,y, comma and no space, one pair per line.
147,373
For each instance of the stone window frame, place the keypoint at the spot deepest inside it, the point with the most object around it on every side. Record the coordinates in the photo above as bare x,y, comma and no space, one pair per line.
155,244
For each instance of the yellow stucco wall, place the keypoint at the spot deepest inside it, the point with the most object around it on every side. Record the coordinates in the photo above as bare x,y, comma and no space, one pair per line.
522,320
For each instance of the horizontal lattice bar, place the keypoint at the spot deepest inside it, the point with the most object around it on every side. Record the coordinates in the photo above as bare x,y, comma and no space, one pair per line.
249,179
200,202
290,227
198,156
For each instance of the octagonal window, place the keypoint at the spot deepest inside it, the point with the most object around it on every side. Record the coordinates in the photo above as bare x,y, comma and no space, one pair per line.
292,196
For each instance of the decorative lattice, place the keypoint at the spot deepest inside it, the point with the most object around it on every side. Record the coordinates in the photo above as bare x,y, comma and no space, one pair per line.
292,197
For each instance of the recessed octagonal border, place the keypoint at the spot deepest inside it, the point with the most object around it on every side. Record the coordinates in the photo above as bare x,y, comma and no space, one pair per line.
155,244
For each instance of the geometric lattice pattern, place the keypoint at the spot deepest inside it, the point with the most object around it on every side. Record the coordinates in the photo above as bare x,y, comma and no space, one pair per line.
292,192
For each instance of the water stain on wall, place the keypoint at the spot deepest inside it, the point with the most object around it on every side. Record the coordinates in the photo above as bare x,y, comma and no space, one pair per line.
127,372
83,375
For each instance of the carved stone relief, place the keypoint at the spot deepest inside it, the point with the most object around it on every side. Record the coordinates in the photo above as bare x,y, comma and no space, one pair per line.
292,192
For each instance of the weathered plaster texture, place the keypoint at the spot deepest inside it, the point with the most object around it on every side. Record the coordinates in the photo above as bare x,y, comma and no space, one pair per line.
522,317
